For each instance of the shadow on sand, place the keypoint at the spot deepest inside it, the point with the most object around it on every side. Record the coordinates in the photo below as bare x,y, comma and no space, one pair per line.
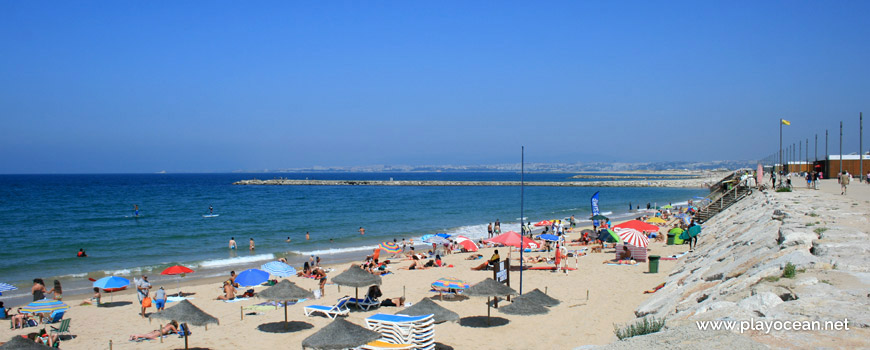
482,321
281,327
116,303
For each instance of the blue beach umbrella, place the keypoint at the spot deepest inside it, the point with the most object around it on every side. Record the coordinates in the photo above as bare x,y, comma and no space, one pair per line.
44,306
111,282
6,287
252,277
443,235
426,237
279,269
549,237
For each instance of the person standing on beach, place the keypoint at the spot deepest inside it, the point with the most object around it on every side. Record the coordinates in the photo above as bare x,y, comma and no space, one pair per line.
160,299
232,242
489,230
57,291
252,244
143,287
497,228
38,289
362,231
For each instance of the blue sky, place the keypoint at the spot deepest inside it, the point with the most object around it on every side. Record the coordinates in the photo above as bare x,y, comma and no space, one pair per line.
124,86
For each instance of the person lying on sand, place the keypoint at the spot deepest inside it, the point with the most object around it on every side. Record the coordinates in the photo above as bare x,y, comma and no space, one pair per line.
474,257
169,328
393,301
19,320
534,259
416,265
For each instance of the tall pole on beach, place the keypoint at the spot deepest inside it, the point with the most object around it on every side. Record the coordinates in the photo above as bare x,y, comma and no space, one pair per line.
522,198
807,155
841,148
861,145
780,154
800,155
827,156
817,147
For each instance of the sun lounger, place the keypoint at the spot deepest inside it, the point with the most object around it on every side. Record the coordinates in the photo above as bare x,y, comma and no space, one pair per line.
403,329
382,345
340,308
364,304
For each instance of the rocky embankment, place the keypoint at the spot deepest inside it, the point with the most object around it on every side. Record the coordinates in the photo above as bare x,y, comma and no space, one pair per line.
705,181
737,274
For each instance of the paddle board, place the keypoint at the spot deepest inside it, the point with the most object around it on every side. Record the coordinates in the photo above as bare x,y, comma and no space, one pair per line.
211,215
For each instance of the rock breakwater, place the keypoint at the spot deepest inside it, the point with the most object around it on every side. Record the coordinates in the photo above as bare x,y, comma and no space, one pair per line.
738,271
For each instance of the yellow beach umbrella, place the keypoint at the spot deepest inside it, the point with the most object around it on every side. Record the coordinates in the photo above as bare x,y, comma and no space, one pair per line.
656,220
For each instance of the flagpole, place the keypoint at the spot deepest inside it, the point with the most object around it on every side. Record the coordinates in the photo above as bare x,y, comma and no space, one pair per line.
522,218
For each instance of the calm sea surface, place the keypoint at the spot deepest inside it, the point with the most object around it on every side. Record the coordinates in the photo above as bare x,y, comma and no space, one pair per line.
45,219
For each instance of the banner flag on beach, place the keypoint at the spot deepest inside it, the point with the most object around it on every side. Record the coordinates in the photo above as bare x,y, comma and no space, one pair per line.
785,122
595,210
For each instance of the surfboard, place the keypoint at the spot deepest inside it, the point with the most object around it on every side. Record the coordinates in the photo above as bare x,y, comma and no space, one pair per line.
211,215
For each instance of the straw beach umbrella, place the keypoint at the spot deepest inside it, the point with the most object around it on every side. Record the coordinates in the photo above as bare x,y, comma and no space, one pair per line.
356,277
538,297
426,306
19,343
524,307
283,291
186,312
489,288
340,334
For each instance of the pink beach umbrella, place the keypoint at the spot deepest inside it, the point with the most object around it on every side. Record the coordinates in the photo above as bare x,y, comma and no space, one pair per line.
514,239
633,237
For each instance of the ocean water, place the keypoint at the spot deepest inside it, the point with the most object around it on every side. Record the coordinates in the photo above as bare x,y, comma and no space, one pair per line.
45,219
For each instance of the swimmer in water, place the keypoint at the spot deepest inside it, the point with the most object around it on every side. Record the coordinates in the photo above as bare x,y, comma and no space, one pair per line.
232,243
135,209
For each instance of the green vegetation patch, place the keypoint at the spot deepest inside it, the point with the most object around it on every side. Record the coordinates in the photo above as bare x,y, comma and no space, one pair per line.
645,326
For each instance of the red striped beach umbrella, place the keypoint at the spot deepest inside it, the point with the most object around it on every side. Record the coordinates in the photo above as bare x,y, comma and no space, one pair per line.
466,243
543,223
390,247
633,237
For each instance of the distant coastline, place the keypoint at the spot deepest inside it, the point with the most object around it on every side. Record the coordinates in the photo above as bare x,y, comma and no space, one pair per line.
693,180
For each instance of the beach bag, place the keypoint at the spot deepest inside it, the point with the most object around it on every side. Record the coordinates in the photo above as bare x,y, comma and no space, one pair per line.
146,302
317,294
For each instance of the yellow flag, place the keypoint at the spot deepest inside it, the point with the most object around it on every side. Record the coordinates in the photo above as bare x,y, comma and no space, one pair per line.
785,122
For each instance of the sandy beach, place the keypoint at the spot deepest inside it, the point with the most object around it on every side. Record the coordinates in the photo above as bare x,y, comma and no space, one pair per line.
613,294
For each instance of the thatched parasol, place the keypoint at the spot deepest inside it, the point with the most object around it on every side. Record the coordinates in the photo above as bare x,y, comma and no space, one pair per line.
489,288
19,343
427,306
356,277
186,312
538,297
524,307
283,291
340,334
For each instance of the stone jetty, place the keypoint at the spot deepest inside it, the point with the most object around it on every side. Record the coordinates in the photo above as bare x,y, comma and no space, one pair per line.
777,259
695,182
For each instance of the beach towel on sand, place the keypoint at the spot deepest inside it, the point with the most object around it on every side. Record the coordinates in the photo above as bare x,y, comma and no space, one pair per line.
656,289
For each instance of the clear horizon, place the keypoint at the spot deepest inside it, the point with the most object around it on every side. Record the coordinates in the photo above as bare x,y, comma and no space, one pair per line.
109,87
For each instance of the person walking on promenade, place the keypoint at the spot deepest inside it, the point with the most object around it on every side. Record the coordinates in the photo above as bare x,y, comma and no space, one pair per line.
844,182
